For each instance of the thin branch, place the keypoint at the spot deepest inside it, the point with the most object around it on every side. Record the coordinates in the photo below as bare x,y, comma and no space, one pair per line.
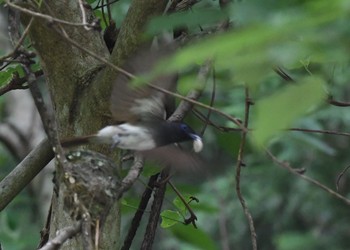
333,102
48,118
132,176
229,117
239,165
83,14
283,74
340,176
104,5
109,11
50,19
103,14
62,236
212,99
192,219
330,132
203,118
298,173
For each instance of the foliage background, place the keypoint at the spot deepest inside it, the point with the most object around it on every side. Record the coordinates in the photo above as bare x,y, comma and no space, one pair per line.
310,40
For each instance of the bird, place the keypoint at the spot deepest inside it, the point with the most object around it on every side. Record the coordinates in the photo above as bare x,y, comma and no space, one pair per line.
139,116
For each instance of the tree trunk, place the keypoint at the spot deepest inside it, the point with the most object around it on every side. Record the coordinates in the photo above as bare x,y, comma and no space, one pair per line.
80,85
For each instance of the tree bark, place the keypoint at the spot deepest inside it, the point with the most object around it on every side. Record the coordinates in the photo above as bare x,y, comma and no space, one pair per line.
80,86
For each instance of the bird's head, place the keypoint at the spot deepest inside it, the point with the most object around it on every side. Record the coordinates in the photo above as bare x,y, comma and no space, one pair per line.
197,140
178,132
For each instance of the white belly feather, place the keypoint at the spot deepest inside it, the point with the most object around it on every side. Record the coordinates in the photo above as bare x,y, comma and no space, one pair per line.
126,136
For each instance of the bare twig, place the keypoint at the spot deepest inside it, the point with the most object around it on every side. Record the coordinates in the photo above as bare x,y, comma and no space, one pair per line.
83,14
333,102
207,118
283,74
132,175
155,211
239,165
340,176
104,5
203,118
330,132
109,11
48,118
97,234
192,219
316,183
62,236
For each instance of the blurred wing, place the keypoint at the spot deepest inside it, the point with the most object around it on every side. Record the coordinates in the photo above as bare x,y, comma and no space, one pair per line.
130,103
174,157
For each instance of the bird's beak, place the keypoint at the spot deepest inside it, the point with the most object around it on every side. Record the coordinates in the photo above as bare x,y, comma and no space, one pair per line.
197,143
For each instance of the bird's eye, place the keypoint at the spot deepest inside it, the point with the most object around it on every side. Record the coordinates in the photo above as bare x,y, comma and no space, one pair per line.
184,127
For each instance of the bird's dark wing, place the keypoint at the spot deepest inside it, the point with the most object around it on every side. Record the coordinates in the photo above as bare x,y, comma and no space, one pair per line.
129,103
174,157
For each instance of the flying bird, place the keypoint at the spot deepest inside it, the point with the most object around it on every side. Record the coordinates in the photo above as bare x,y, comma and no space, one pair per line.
140,113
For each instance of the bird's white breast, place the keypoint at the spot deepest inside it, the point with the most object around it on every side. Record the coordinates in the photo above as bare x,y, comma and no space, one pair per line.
127,136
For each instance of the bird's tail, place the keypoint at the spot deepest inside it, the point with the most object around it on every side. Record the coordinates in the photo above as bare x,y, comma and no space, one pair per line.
77,141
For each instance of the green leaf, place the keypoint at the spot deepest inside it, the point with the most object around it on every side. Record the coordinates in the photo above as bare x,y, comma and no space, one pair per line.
250,52
150,169
6,75
280,110
99,15
179,203
170,218
194,236
187,83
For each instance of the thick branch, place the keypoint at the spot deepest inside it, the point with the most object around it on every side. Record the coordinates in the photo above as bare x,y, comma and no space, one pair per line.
13,183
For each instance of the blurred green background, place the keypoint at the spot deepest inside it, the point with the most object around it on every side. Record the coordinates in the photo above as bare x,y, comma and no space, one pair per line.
310,41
